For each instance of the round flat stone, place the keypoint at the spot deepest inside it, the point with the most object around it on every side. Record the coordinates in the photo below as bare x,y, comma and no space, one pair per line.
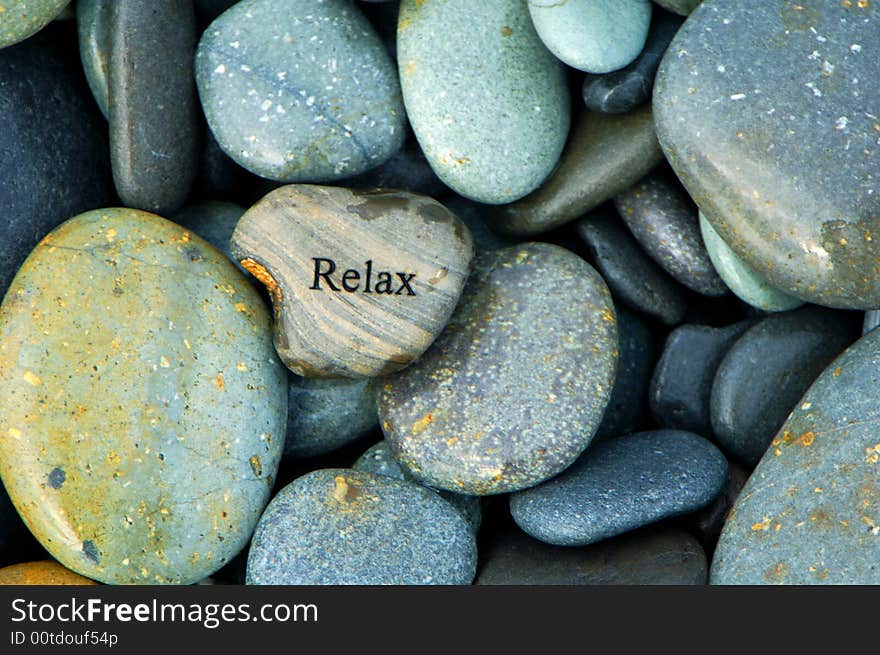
605,155
362,281
635,362
741,278
620,485
631,275
53,155
380,460
681,385
596,36
142,402
767,115
664,221
630,87
681,7
41,573
810,512
514,388
153,126
646,557
325,415
93,27
767,371
492,132
23,18
341,526
299,92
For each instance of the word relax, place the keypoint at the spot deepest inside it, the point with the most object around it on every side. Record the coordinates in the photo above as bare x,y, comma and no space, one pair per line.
351,279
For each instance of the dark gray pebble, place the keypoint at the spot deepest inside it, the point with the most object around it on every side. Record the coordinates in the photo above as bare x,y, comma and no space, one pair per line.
620,485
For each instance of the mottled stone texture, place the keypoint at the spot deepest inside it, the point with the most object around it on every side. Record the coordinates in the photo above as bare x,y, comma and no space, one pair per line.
768,113
141,402
41,573
810,513
514,388
341,526
22,18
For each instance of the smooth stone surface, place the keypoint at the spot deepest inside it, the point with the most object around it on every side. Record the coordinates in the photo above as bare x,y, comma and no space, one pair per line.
23,18
605,155
299,92
407,169
766,372
380,460
648,557
631,275
635,362
53,153
93,28
341,526
681,7
492,132
665,223
741,278
596,36
810,513
871,321
153,127
41,573
681,387
621,485
142,402
325,415
630,87
214,221
514,388
359,326
768,114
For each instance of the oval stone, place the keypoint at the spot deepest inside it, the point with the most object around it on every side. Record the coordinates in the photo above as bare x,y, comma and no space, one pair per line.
810,512
143,407
620,485
341,526
492,132
741,278
299,92
596,36
514,388
41,573
362,281
22,18
768,114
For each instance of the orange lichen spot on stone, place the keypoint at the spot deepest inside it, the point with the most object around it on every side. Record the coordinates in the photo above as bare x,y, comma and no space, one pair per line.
776,573
187,344
344,491
818,490
184,238
608,316
31,379
807,438
111,235
241,367
761,525
259,271
506,31
422,424
14,433
451,441
241,307
163,362
219,382
256,465
863,4
410,68
837,371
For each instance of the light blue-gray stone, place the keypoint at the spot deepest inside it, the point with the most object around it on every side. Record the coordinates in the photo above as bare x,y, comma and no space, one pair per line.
741,278
621,485
380,460
488,102
596,36
341,526
300,91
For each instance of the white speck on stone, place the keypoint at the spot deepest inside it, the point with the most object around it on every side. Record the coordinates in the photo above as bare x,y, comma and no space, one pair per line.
331,65
827,67
235,44
821,39
814,55
280,109
266,104
245,68
812,87
738,96
310,101
220,69
264,118
721,68
287,38
538,108
841,123
855,47
282,75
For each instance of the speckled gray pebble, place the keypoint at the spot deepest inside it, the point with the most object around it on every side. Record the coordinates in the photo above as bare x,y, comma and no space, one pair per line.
810,513
664,221
514,388
681,386
631,275
341,526
620,485
325,415
644,557
299,92
765,373
380,460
